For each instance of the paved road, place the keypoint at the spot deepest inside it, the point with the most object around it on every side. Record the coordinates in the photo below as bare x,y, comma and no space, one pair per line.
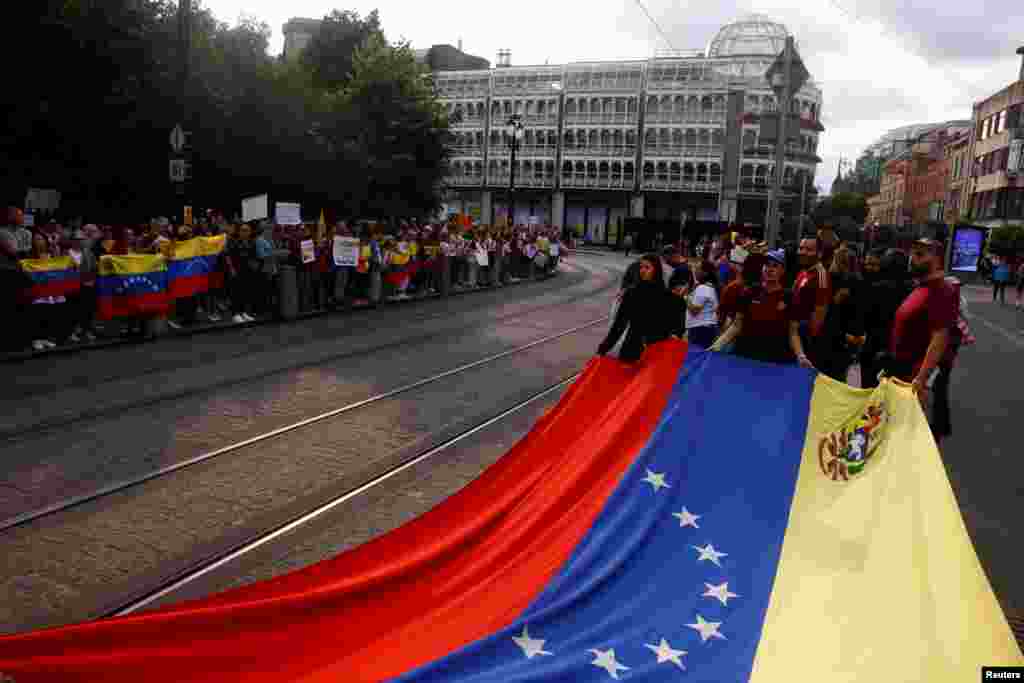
112,541
135,409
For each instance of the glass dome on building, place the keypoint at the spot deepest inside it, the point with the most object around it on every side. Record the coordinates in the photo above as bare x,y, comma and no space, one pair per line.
754,34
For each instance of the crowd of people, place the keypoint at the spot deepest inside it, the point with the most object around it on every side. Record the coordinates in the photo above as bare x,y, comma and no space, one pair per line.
396,262
818,303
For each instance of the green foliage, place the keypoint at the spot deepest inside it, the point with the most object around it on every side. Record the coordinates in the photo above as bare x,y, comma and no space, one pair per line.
850,205
330,54
354,125
1006,240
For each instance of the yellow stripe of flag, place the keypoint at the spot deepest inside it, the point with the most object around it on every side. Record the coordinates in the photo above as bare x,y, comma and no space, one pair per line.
878,579
132,264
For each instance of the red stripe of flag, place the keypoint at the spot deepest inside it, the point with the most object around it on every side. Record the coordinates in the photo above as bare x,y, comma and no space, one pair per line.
447,578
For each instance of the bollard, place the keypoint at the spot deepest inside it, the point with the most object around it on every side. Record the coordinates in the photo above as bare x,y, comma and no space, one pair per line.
376,287
155,327
495,260
341,276
288,293
444,275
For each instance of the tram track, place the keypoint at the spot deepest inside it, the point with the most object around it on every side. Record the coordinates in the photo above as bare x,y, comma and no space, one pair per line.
122,485
209,564
101,411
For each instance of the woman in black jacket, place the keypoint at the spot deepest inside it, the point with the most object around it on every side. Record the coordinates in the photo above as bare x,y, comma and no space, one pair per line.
646,311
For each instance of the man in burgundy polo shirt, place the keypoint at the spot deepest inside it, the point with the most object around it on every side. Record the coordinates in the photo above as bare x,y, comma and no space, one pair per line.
812,294
920,332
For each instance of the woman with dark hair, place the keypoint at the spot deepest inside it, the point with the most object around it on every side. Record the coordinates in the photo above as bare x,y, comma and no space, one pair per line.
702,307
646,311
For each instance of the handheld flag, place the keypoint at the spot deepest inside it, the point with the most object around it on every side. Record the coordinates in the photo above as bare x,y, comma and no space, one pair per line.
51,277
131,285
192,264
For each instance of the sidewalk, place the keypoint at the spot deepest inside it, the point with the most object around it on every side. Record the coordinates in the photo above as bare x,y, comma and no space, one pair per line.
204,326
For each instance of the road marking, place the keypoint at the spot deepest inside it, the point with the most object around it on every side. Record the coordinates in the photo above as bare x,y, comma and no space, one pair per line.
999,329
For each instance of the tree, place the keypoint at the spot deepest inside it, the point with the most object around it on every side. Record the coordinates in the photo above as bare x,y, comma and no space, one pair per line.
845,204
331,52
390,131
1007,240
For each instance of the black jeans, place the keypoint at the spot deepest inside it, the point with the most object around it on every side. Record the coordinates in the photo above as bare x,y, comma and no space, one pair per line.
999,289
940,421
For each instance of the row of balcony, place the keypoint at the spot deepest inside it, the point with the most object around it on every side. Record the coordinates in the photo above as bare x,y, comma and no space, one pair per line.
674,183
713,117
625,151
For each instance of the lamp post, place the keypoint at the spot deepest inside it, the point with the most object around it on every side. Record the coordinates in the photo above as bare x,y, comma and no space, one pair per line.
514,127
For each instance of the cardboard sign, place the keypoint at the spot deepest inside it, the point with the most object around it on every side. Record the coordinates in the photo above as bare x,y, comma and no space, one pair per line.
255,208
287,214
308,252
481,258
346,252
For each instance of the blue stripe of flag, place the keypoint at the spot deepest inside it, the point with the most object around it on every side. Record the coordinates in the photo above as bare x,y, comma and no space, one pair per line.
728,447
130,285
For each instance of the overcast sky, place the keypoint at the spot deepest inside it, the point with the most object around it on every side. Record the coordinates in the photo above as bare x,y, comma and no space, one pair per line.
880,63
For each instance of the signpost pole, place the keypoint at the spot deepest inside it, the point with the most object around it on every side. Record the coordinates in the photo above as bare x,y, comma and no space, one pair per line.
784,96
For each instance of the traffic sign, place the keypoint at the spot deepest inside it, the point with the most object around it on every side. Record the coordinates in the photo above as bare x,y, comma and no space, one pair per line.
177,138
179,170
776,74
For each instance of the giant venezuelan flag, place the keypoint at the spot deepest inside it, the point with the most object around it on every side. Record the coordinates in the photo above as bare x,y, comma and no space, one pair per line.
51,277
193,264
699,518
131,285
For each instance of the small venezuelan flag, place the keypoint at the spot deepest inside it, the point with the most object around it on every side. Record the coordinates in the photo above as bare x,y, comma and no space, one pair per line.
193,264
132,285
51,277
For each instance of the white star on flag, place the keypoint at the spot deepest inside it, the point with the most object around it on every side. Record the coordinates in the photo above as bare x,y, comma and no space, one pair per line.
687,518
606,660
721,592
708,552
656,480
530,646
707,629
667,654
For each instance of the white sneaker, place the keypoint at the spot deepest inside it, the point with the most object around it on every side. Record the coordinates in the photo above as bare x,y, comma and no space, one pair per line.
173,325
214,318
237,318
38,345
90,337
248,318
49,344
75,339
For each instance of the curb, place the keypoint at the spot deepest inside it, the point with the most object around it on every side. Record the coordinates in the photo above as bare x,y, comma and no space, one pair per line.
208,327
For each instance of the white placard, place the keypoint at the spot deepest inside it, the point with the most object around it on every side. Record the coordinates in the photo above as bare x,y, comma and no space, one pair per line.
287,214
346,251
554,249
481,258
255,208
28,220
308,253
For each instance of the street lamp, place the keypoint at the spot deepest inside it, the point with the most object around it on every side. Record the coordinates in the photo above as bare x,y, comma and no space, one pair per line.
514,128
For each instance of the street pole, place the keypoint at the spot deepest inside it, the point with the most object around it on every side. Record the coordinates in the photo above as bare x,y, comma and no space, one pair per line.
515,125
803,200
780,147
185,44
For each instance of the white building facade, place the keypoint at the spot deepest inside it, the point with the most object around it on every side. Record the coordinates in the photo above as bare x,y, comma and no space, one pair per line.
606,140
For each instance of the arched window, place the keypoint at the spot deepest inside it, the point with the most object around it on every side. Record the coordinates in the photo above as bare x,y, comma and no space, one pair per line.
631,105
674,172
747,172
650,139
677,139
648,171
702,173
749,139
693,103
688,173
581,139
549,169
566,170
631,138
528,108
678,104
606,138
479,138
583,107
706,103
592,139
581,171
541,107
652,105
617,139
591,169
761,176
570,106
616,171
527,167
570,139
719,102
704,137
716,173
717,137
528,138
663,138
691,137
603,170
620,105
787,176
595,106
662,171
478,169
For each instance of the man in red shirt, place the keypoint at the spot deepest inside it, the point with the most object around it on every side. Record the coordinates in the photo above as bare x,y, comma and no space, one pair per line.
812,294
920,332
